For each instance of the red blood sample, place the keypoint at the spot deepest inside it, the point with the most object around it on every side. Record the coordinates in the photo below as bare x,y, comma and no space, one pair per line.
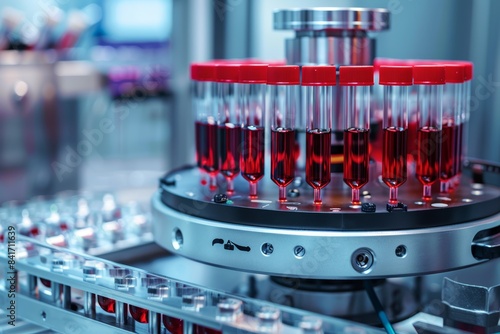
138,314
318,143
356,159
46,282
63,226
229,149
428,153
107,304
282,156
448,150
252,156
34,231
394,165
173,325
206,147
197,329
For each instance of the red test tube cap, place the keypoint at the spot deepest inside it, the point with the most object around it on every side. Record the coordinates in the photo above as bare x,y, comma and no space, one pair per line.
455,73
396,75
203,71
283,75
227,72
356,76
468,71
253,73
319,75
429,74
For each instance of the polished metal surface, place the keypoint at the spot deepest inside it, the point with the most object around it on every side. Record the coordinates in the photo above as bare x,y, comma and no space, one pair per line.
183,191
328,254
330,50
331,36
321,18
472,305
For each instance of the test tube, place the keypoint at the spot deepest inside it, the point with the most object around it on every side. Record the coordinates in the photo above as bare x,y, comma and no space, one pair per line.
229,122
283,81
396,82
430,80
207,157
356,82
317,84
252,95
464,118
452,105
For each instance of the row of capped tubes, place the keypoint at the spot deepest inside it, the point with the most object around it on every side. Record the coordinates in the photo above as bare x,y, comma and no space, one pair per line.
286,116
266,318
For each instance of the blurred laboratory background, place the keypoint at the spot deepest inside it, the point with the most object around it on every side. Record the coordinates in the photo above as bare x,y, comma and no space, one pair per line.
94,95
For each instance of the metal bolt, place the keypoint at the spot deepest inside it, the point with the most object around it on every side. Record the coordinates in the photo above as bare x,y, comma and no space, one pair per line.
294,193
220,198
396,207
267,249
299,251
368,207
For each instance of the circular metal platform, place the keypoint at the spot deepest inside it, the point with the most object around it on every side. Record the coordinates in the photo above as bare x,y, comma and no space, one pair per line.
322,18
331,241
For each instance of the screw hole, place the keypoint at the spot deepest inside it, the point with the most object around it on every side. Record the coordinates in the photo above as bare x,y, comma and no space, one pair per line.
362,260
177,239
267,249
401,251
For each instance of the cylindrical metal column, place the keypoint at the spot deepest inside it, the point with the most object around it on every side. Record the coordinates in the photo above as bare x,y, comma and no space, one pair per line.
331,36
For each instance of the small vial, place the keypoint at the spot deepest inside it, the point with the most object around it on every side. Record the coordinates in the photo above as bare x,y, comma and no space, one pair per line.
452,124
207,157
396,82
252,99
284,102
430,80
317,83
229,122
356,82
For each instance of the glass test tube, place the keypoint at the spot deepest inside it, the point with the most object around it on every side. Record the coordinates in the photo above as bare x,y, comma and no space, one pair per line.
229,122
207,157
397,81
430,80
252,96
356,82
464,118
452,124
317,84
284,86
